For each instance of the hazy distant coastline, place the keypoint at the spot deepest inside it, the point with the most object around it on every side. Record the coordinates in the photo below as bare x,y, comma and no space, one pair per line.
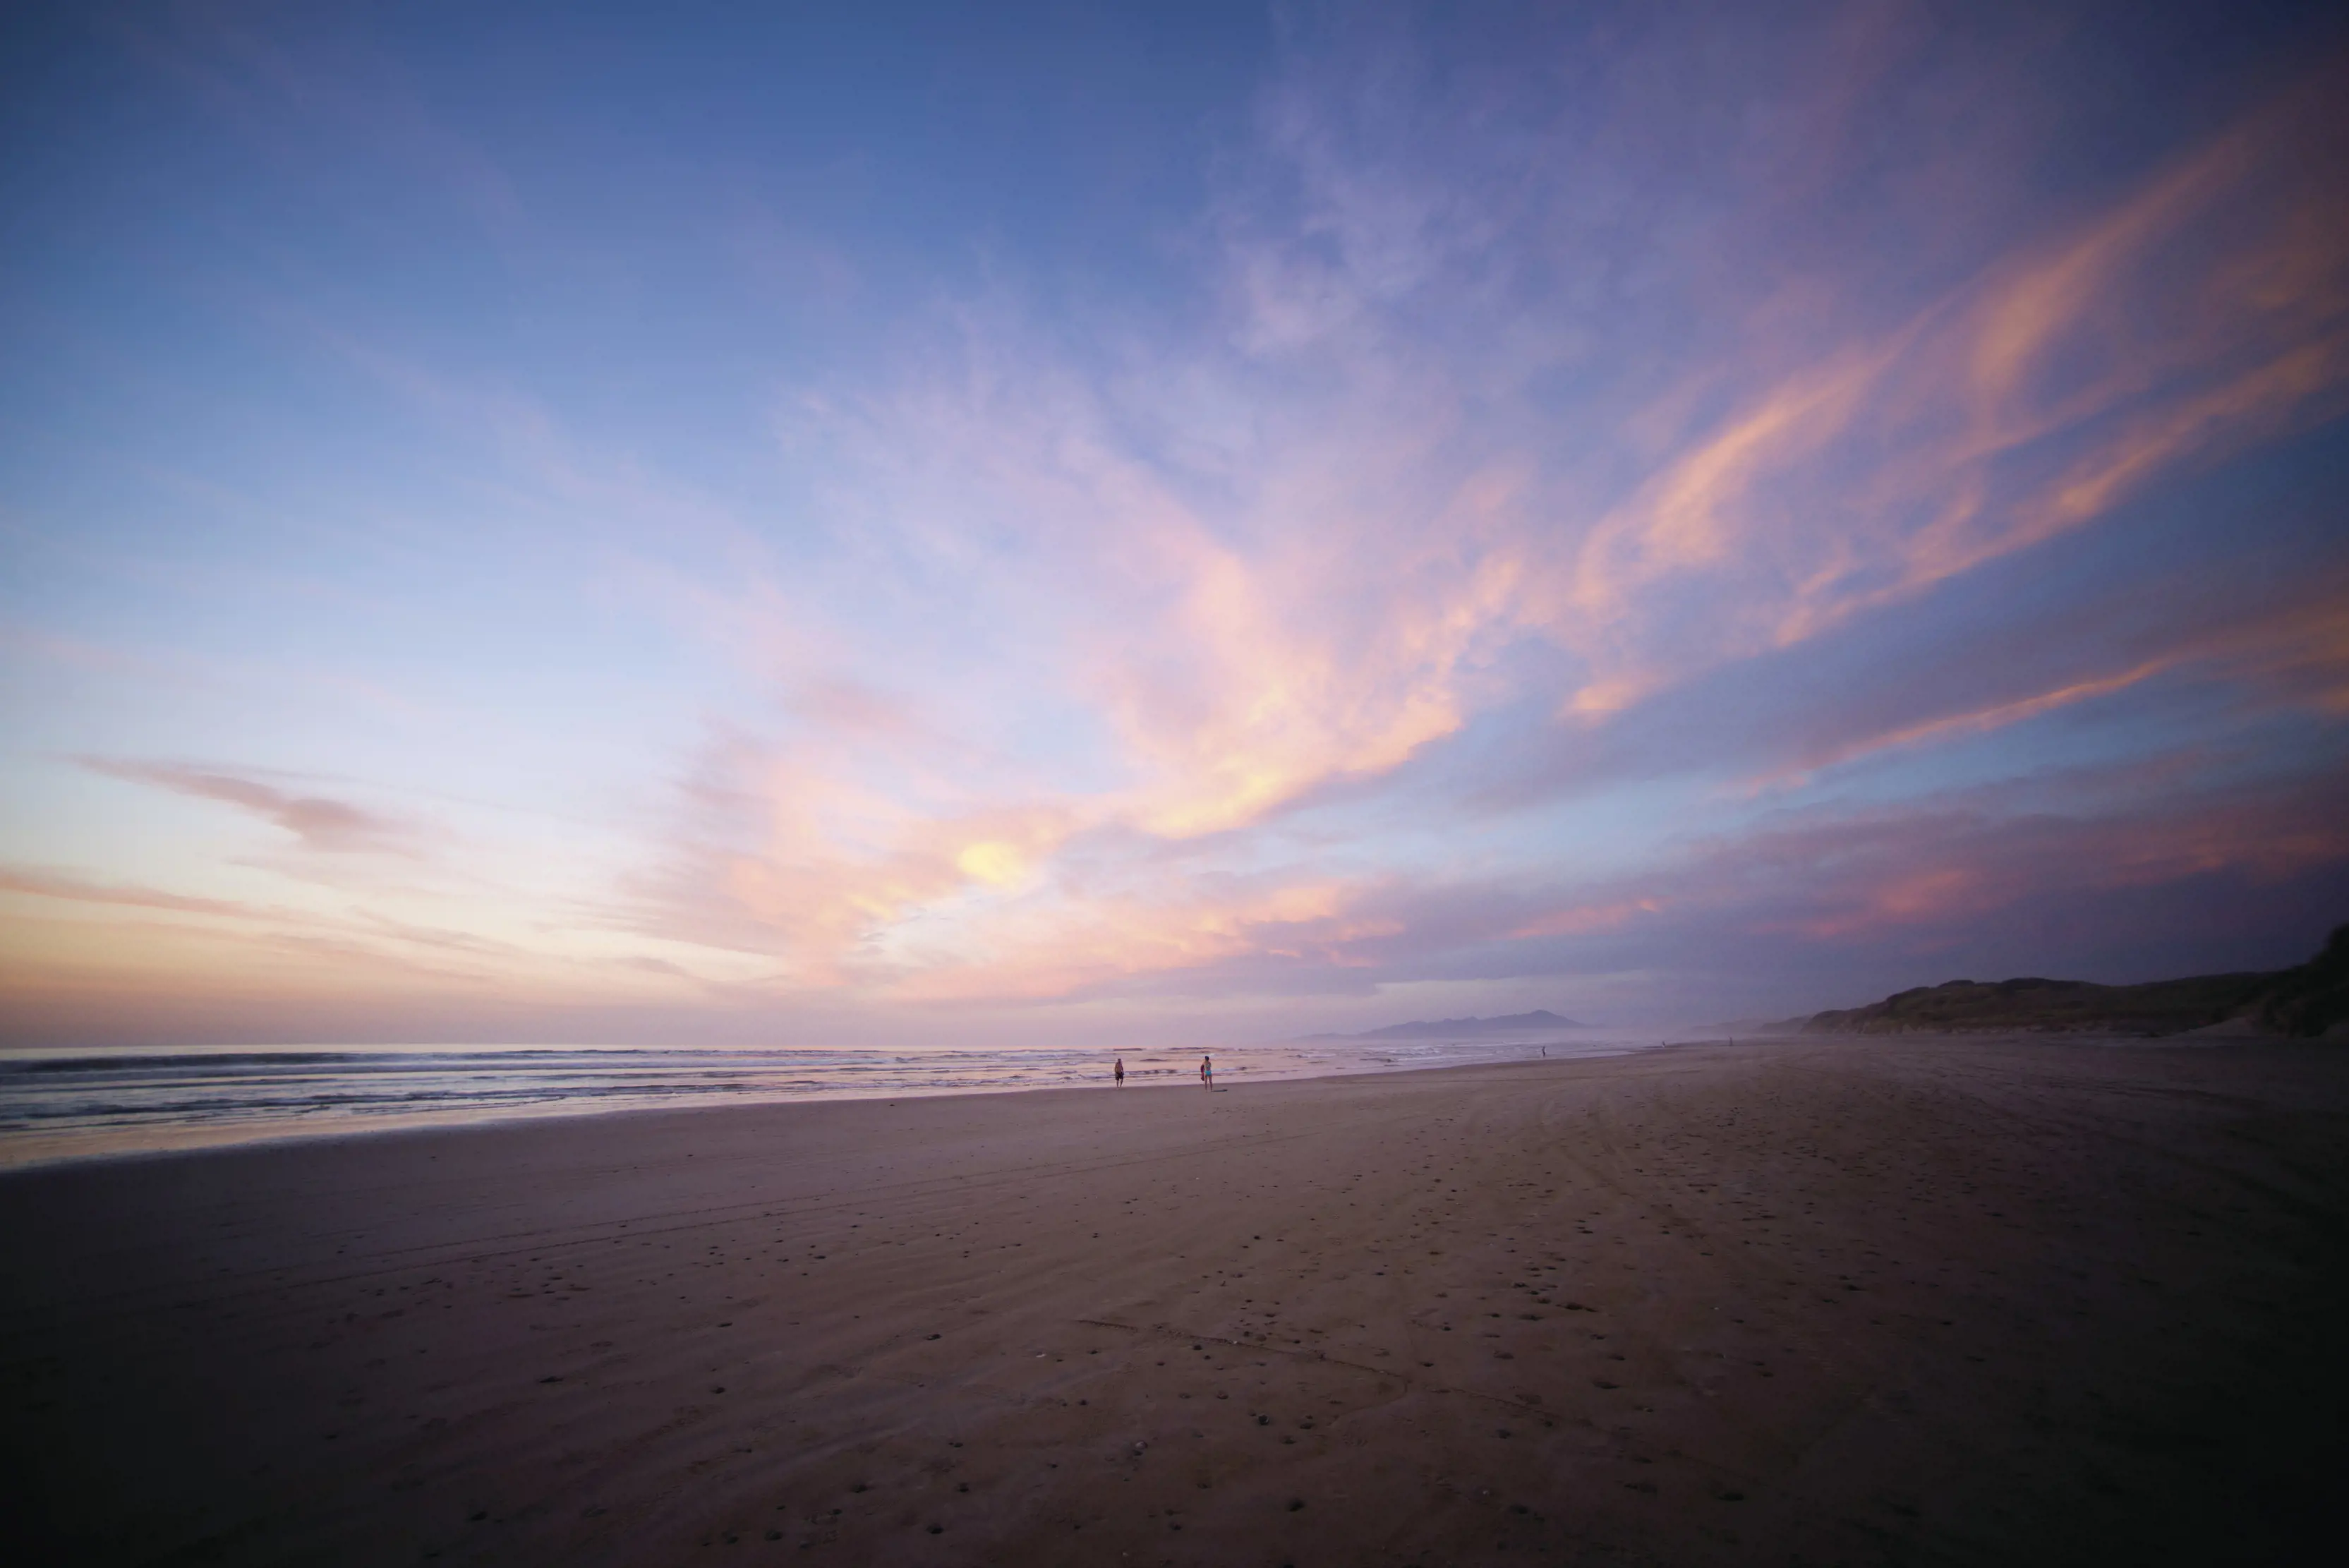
1541,1021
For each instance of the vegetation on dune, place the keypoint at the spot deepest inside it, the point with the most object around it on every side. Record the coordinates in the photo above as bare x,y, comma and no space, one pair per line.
2313,998
2307,1001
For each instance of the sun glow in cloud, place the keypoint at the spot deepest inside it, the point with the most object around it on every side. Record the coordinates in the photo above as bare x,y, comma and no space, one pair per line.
1494,506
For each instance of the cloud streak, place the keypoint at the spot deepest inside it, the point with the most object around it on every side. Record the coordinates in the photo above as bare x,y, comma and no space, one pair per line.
2208,310
319,824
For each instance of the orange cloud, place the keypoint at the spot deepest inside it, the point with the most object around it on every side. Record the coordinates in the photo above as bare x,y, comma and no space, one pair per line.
1977,722
1317,630
2208,311
1272,702
2296,655
1955,882
1241,671
44,884
1050,950
1583,920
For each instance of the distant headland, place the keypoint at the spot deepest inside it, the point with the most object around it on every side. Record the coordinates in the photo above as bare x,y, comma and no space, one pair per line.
1539,1022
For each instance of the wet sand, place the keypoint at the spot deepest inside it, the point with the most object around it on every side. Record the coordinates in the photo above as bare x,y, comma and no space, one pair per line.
1818,1301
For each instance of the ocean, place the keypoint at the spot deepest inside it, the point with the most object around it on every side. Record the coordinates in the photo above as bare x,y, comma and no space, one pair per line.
94,1103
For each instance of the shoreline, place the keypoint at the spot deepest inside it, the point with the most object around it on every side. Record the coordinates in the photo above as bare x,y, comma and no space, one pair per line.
22,1150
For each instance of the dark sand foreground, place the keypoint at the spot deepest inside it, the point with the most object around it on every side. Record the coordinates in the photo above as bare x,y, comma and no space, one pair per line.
1872,1301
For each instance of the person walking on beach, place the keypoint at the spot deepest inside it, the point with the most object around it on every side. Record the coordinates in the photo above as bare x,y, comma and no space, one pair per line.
1121,1072
1208,1071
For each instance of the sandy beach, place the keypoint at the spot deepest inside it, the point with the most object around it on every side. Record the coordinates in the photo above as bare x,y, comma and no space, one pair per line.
1816,1300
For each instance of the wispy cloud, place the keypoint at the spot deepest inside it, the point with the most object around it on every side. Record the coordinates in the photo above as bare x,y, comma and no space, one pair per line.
1247,625
42,883
2285,650
2201,313
320,823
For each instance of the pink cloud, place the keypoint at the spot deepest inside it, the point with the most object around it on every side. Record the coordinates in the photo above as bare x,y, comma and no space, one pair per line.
318,823
46,884
1319,627
2199,315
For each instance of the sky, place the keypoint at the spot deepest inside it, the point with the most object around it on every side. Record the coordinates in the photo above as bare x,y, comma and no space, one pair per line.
777,525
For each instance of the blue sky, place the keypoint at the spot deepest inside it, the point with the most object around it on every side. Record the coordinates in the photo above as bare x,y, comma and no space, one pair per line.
753,523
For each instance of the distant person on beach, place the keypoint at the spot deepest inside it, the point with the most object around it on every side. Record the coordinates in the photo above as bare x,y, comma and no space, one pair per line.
1121,1072
1208,1071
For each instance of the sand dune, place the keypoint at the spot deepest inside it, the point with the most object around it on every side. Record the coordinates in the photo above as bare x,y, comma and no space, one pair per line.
2308,1001
1816,1300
